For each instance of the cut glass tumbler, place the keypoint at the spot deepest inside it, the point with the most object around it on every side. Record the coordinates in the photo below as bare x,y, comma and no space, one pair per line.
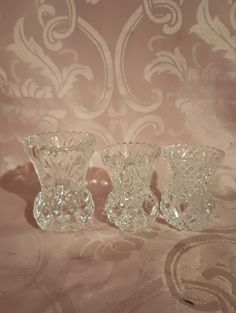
187,203
61,161
131,205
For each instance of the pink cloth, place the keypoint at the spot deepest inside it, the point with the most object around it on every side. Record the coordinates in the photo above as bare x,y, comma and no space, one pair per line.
159,71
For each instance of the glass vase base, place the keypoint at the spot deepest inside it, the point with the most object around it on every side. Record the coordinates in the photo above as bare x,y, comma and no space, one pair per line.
187,217
127,216
63,210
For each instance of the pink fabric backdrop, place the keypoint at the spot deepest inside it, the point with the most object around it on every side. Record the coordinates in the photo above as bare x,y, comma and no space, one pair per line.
161,71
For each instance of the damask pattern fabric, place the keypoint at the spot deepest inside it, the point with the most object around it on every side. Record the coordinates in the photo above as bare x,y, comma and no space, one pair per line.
159,71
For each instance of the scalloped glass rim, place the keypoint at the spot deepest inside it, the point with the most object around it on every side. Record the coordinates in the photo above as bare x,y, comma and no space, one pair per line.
85,138
116,149
169,150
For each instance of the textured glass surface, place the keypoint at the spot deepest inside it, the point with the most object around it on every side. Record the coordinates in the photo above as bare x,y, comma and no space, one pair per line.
187,203
131,205
61,162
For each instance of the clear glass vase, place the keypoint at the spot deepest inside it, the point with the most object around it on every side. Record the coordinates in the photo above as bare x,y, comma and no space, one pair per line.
188,201
131,205
61,161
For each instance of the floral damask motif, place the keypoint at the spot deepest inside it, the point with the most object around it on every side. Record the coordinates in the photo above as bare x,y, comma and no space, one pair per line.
39,113
214,32
54,33
61,82
115,246
53,37
130,99
172,20
103,100
197,97
175,63
153,121
166,61
28,88
213,288
30,52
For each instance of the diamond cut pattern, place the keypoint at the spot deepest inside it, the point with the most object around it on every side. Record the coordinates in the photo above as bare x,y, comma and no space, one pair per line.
131,206
187,203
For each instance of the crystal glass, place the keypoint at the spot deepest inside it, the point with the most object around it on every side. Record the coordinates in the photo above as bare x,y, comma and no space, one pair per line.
131,205
188,202
61,161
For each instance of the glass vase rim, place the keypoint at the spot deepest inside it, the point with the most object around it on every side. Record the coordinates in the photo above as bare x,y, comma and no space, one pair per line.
155,149
91,140
202,147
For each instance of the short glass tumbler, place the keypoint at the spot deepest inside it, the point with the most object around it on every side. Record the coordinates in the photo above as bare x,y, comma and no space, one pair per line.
188,201
61,161
131,205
